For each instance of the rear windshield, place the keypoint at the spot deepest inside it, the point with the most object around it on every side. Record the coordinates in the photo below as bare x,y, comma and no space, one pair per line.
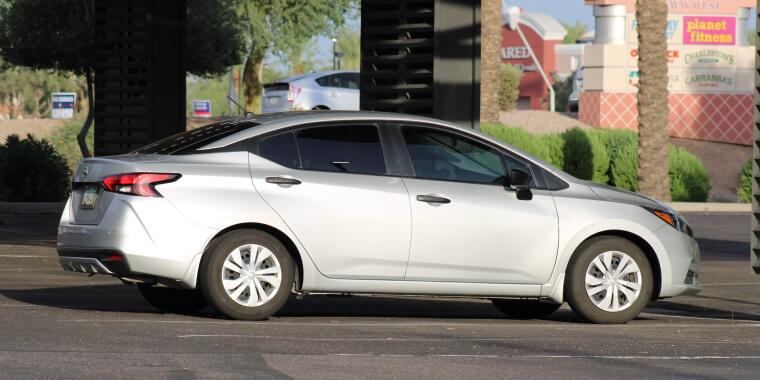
189,141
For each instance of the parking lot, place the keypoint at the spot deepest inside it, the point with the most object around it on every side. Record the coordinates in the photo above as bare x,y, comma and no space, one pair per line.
57,324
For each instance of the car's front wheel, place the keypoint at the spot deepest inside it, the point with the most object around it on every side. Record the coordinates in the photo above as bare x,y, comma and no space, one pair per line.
247,274
609,280
525,309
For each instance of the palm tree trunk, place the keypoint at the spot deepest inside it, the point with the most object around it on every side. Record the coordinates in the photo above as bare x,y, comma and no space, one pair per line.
652,18
490,43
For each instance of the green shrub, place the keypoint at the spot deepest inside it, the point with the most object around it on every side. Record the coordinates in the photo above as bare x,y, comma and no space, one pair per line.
688,177
508,82
554,145
562,90
32,170
518,137
745,188
600,156
577,153
622,145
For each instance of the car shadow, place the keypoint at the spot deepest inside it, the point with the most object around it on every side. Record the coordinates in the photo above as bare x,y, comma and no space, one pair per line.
120,298
677,309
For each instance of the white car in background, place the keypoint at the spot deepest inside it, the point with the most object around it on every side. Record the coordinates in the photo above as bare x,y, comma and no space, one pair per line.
327,90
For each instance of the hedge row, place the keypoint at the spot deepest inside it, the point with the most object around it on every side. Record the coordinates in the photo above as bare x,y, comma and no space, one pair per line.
745,188
607,156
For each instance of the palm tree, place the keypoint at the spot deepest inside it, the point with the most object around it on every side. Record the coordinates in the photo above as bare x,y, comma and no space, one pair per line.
349,43
490,60
652,18
300,56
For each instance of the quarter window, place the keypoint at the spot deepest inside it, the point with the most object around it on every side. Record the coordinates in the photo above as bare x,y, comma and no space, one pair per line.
440,155
353,149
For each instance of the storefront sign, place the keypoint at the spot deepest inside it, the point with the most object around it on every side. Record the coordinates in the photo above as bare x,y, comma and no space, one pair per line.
674,80
708,81
673,32
704,30
515,52
674,55
709,57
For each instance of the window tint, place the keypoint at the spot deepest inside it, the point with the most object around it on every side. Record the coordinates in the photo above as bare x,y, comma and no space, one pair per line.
353,149
440,155
281,149
342,80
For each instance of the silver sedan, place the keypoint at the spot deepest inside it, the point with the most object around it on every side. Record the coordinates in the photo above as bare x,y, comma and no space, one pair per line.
242,213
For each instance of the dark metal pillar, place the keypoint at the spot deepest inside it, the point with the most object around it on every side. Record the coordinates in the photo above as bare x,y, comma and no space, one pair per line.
139,73
422,57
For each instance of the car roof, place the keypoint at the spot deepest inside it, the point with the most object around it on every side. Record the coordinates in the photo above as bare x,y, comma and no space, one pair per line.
313,75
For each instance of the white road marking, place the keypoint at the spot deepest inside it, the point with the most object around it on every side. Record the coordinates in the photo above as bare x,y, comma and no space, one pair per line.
625,357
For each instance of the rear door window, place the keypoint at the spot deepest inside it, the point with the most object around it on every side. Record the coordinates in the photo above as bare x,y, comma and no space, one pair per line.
281,149
352,149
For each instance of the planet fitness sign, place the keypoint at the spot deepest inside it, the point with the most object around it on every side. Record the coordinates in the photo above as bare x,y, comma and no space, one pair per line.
709,30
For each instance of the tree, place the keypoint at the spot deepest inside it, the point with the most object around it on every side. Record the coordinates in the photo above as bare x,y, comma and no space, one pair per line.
349,43
216,37
299,56
274,24
574,32
490,60
61,38
652,18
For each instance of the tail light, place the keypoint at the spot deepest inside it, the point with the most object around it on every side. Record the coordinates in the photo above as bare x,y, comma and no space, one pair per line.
293,93
142,184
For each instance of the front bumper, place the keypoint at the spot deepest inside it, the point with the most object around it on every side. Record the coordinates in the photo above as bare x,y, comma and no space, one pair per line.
679,262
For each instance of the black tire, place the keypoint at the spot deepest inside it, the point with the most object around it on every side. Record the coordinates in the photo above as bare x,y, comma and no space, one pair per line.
177,301
619,250
525,309
247,301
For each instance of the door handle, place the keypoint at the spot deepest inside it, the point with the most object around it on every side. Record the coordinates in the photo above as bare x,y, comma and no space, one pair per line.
283,180
433,198
334,94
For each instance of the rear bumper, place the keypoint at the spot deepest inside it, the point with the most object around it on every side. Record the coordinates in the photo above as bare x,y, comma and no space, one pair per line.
98,261
143,236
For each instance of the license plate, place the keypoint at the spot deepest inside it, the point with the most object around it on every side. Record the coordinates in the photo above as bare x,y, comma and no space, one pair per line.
90,195
272,100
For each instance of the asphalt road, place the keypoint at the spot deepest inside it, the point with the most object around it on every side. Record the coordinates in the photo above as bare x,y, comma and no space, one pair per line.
57,324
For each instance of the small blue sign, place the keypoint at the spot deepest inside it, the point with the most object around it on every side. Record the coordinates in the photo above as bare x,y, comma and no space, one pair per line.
63,104
202,108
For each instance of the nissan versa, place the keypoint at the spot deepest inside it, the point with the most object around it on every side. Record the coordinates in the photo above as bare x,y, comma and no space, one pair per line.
242,213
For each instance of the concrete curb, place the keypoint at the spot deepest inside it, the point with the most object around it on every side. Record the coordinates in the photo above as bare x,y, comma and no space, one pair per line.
32,207
710,207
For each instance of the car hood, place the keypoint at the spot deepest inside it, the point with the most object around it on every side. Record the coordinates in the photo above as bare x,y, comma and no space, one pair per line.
624,196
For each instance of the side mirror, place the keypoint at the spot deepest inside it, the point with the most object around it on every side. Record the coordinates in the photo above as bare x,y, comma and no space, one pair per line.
520,181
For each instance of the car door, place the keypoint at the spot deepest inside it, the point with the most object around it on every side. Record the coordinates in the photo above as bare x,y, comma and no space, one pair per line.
331,186
342,90
467,224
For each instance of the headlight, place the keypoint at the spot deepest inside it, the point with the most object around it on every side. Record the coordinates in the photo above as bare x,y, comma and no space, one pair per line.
673,219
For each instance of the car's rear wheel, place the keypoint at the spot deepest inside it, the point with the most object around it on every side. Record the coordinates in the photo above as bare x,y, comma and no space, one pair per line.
177,301
525,309
247,274
610,280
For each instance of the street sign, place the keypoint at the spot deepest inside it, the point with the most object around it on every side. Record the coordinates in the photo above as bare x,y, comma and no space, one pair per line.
63,104
202,108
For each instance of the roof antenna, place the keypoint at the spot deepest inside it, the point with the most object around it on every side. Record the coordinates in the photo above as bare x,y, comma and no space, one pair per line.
247,113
